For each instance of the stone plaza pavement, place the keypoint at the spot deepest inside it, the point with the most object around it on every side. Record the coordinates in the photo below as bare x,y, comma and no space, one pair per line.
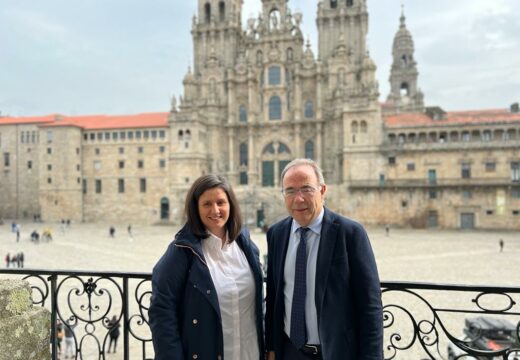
438,256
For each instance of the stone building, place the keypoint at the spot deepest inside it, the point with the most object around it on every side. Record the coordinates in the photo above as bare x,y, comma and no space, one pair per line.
255,98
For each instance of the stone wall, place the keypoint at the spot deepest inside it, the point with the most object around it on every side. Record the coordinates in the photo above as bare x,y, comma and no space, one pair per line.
24,329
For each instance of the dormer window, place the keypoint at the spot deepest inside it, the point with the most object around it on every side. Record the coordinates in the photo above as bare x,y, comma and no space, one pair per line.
350,3
333,4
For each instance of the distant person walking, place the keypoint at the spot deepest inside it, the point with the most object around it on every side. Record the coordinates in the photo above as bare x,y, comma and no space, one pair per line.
501,245
17,232
129,229
69,341
7,260
112,231
20,259
387,230
114,333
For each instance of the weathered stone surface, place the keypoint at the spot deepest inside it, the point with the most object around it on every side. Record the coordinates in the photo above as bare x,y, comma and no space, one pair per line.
24,330
15,297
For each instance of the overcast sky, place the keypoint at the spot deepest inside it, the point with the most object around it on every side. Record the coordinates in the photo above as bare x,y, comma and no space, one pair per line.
129,56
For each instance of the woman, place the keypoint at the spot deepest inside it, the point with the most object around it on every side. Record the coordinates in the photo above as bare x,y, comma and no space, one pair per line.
207,287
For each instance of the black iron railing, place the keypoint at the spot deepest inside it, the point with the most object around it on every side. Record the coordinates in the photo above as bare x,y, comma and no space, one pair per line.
422,321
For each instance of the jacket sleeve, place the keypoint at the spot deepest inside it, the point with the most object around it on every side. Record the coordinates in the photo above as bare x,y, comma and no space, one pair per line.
367,295
270,296
168,282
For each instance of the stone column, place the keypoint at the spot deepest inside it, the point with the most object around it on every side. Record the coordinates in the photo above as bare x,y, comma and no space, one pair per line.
24,330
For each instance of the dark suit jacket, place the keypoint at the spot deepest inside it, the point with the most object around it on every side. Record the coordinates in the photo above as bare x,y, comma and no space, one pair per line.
348,291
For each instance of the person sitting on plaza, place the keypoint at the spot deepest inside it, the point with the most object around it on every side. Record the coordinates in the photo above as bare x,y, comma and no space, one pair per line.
35,237
47,234
14,260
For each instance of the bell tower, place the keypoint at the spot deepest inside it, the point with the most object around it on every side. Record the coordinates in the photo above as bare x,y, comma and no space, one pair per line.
347,17
216,30
405,94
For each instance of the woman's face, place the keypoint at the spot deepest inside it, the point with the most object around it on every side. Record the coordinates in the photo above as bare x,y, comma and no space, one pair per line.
214,210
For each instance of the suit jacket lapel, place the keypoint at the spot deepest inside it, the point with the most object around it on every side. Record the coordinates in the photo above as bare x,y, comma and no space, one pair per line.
328,238
282,243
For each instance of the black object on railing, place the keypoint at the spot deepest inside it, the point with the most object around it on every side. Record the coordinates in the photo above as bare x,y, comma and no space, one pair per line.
422,321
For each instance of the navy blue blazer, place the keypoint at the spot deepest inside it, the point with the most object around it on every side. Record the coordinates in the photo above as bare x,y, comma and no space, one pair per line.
348,291
184,313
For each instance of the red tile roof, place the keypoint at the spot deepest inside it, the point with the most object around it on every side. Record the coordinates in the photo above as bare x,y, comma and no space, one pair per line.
453,118
93,122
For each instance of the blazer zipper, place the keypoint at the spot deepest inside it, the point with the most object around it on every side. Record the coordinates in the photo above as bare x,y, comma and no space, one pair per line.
193,251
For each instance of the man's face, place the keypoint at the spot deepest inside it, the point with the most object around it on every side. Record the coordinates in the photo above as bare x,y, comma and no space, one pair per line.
303,206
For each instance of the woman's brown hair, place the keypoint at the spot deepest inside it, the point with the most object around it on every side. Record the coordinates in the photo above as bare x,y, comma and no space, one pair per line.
191,207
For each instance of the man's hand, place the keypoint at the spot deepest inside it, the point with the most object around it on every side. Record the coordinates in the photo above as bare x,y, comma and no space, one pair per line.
269,355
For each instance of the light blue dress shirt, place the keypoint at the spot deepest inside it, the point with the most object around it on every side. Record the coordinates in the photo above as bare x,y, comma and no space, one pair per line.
313,242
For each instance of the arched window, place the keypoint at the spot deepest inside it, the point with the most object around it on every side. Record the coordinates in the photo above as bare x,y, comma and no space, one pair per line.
275,75
275,108
187,135
309,110
222,11
333,4
405,91
259,58
290,54
242,114
363,126
342,77
207,12
309,149
180,134
354,127
350,2
404,61
283,149
269,149
243,154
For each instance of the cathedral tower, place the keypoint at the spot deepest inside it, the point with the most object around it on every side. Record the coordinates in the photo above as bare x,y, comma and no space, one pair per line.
347,17
405,95
217,30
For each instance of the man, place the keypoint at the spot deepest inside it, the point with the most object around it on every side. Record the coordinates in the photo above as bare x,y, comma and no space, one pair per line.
323,297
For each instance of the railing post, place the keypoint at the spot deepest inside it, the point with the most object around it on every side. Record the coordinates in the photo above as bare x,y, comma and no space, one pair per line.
54,353
126,337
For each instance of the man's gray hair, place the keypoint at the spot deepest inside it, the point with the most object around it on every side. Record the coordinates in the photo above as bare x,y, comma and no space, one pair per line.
308,162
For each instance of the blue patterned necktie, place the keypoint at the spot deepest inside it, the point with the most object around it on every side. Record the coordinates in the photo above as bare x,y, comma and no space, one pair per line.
298,328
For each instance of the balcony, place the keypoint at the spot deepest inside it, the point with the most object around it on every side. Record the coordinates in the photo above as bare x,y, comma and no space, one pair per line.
421,320
430,184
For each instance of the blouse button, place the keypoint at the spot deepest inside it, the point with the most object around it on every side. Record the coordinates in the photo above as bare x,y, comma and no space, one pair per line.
195,321
195,356
219,357
208,292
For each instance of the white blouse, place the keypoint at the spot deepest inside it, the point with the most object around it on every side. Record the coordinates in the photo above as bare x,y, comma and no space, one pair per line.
235,286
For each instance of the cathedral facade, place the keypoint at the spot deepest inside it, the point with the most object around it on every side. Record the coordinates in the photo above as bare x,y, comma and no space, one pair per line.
257,97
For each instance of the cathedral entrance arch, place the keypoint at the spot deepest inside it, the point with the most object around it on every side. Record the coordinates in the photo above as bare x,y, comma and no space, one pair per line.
275,156
165,208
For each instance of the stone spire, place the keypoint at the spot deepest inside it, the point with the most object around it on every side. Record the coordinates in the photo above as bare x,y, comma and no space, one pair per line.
405,94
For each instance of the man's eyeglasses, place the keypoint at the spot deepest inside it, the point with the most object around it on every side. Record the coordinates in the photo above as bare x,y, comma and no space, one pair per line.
307,190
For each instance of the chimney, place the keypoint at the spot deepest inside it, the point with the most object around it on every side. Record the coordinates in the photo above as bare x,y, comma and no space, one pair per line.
515,108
